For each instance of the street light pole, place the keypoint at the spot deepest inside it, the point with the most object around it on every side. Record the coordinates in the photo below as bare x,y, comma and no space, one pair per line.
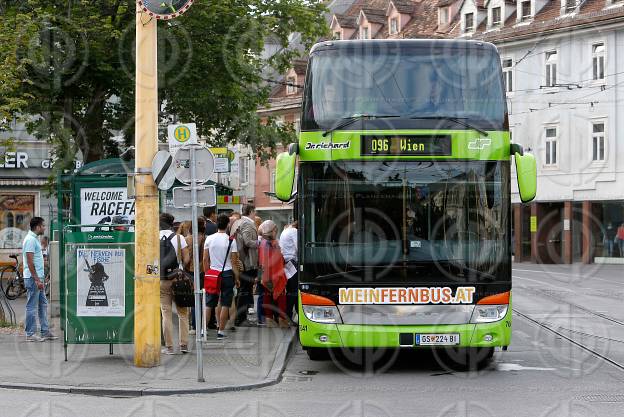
147,249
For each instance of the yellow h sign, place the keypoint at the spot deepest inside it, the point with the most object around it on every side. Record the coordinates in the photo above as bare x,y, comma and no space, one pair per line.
182,134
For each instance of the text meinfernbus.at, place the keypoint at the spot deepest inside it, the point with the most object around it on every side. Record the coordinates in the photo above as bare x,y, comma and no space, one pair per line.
403,196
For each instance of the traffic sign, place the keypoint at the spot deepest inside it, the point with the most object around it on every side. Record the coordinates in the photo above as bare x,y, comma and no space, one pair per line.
162,170
204,164
180,135
206,196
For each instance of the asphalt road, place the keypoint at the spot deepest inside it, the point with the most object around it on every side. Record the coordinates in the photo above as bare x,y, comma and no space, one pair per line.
565,360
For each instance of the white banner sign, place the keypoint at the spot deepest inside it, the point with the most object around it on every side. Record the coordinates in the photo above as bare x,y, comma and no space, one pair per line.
101,283
105,206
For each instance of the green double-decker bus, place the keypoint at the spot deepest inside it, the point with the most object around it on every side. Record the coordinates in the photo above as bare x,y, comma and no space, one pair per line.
404,193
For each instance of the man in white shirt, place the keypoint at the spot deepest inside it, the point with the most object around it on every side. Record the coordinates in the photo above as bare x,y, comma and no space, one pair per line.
221,254
288,245
166,294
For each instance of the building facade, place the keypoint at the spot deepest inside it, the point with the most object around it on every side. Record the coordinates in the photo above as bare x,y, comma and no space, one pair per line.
563,68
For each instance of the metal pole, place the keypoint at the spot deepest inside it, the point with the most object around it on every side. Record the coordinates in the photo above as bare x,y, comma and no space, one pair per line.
147,250
198,307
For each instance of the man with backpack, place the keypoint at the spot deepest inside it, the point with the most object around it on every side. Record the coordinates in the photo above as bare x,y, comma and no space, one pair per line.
173,255
247,245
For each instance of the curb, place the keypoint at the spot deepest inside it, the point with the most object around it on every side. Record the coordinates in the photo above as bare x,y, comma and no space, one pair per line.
274,377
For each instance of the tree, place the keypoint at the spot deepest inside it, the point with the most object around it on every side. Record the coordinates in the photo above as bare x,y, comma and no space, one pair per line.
76,59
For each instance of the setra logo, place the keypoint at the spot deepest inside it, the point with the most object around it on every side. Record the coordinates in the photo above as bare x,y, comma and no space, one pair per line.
479,144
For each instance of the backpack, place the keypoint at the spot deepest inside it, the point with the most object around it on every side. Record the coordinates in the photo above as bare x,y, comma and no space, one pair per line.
168,257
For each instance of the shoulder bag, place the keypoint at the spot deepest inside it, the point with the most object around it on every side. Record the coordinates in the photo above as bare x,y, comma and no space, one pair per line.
212,279
182,286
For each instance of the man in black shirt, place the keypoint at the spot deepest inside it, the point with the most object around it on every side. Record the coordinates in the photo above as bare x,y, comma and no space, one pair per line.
210,213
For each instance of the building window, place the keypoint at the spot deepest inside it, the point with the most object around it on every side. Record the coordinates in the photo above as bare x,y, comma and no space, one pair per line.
337,35
598,61
243,170
365,33
496,16
394,26
598,141
551,69
468,22
526,10
508,74
291,85
16,210
570,5
551,146
272,184
443,14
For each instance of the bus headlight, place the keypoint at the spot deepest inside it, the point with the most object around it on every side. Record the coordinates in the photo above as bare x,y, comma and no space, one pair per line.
322,314
488,313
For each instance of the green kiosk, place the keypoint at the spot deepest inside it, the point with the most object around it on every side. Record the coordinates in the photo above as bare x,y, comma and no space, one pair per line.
96,240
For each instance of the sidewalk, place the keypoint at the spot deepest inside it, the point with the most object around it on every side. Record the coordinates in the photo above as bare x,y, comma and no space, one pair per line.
250,358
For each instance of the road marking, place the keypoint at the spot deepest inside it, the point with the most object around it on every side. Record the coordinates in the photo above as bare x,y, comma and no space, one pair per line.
516,367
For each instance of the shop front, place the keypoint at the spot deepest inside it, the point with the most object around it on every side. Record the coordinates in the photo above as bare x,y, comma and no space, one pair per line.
569,231
24,193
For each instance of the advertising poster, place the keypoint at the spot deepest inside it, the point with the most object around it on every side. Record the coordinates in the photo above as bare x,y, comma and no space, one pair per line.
100,289
105,206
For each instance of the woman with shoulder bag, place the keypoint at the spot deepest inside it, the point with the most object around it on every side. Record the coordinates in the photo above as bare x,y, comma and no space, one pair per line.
272,275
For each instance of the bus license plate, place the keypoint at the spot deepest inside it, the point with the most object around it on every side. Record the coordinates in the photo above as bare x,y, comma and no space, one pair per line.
447,339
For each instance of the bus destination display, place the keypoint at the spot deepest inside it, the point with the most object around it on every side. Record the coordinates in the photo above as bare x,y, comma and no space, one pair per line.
407,145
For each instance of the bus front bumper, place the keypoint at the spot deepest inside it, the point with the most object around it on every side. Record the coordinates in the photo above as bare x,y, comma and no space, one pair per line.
318,335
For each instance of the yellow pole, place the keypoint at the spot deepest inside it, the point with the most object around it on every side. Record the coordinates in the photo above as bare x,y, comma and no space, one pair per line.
147,249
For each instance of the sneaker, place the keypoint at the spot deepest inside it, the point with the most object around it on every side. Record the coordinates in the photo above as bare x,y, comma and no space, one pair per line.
232,329
221,336
49,336
261,324
184,349
167,351
191,332
34,338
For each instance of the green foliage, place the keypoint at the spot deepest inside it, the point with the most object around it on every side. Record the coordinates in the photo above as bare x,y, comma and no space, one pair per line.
71,63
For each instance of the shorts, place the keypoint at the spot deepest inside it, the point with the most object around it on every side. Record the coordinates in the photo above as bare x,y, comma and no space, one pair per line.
227,291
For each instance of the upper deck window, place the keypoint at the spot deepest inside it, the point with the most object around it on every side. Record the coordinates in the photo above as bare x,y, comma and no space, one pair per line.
404,81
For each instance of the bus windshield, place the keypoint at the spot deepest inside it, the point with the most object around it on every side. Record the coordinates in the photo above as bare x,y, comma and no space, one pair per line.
406,221
405,80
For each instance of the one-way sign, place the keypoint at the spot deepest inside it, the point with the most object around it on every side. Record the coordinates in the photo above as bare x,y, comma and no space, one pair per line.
162,170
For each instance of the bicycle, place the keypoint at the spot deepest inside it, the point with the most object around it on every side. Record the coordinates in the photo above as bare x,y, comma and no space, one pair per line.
14,279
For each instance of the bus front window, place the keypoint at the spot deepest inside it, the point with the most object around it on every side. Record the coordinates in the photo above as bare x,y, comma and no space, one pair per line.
406,218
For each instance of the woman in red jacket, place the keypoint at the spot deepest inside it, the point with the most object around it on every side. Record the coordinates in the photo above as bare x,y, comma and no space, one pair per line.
273,277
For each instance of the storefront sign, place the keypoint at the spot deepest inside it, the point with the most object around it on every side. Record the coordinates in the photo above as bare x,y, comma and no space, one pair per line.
106,206
100,286
23,160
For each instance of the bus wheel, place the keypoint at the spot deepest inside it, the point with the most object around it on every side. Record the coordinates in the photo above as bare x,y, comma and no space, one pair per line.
317,354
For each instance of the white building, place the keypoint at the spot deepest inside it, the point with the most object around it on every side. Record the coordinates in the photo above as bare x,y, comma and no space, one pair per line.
563,64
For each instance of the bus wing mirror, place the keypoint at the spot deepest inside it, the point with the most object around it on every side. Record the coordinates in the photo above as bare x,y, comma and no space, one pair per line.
285,176
526,170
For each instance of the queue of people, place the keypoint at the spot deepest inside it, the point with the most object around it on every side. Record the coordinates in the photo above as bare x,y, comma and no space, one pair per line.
241,259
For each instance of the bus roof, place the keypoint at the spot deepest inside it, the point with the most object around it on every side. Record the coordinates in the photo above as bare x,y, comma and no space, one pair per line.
407,43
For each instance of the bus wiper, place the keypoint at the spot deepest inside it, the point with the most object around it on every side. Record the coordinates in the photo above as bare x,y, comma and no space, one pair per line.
346,121
459,120
336,275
